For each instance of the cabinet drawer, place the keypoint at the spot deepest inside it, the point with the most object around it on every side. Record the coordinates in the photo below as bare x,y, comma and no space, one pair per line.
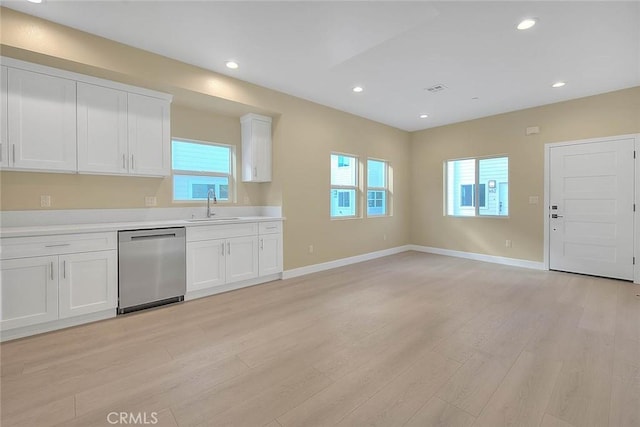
21,247
270,227
221,231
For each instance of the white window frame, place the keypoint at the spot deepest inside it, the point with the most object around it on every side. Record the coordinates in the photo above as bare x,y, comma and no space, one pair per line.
230,176
476,187
384,189
355,187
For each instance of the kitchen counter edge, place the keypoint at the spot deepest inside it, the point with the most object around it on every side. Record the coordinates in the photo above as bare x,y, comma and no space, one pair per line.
48,230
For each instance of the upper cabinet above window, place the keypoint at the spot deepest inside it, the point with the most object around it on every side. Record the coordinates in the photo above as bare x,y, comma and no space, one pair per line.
256,148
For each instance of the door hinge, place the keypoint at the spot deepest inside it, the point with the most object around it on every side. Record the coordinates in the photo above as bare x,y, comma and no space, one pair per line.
634,154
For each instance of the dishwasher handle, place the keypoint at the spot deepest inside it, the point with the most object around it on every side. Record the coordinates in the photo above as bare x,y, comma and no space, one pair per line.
154,236
151,234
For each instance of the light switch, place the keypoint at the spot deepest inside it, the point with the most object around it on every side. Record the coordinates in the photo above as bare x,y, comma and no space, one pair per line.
150,201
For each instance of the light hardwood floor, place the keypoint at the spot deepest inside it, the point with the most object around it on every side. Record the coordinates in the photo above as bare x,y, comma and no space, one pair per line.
408,340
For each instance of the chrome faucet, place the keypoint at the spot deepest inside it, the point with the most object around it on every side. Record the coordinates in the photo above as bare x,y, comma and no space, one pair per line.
211,193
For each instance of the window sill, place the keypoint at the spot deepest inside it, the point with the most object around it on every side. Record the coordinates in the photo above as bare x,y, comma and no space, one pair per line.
344,218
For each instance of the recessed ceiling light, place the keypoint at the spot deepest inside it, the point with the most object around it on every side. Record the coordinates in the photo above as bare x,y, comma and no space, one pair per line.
232,64
357,89
34,1
424,116
525,24
558,84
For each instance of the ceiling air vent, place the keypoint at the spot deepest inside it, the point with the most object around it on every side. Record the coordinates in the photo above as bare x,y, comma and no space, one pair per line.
436,88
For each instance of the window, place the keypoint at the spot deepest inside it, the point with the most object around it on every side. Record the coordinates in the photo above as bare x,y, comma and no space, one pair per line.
477,187
344,186
466,195
377,187
199,167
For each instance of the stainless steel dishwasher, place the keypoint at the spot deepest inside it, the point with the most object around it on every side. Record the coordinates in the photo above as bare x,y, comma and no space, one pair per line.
151,268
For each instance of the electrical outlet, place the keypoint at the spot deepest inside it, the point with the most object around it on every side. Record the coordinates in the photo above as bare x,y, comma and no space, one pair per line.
507,243
533,200
150,201
45,201
310,249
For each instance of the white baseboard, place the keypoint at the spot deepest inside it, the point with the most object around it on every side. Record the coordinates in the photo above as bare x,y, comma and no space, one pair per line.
26,331
230,287
288,274
515,262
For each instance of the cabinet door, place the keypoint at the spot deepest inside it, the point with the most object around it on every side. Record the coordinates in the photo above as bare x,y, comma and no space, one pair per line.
262,149
102,129
256,148
270,258
41,121
242,258
149,136
205,264
28,291
4,159
88,282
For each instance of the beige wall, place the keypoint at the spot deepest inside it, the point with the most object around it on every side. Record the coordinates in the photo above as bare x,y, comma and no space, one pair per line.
614,113
207,107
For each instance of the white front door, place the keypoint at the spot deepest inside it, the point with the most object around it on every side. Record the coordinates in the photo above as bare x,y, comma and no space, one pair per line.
591,228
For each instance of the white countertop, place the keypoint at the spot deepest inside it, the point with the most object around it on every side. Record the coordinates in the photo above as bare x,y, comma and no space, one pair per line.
42,230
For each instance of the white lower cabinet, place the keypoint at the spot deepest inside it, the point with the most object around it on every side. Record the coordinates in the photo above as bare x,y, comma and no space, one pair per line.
242,258
270,241
88,283
205,264
46,279
270,255
29,291
212,263
219,256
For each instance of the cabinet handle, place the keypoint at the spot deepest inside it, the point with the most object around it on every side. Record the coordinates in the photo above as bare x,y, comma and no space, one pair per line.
0,151
222,244
57,245
271,228
132,163
255,172
262,244
51,270
124,166
228,248
13,150
64,269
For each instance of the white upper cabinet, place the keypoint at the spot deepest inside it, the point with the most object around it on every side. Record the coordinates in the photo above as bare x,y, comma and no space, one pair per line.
149,136
56,120
102,130
4,159
41,115
256,148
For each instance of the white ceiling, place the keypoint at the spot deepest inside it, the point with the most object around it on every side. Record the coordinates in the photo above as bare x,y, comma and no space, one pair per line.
320,50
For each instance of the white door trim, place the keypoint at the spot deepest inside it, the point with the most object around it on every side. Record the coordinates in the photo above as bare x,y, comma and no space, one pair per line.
547,152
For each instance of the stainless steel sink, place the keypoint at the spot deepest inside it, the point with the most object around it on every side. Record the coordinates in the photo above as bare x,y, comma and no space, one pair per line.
222,218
